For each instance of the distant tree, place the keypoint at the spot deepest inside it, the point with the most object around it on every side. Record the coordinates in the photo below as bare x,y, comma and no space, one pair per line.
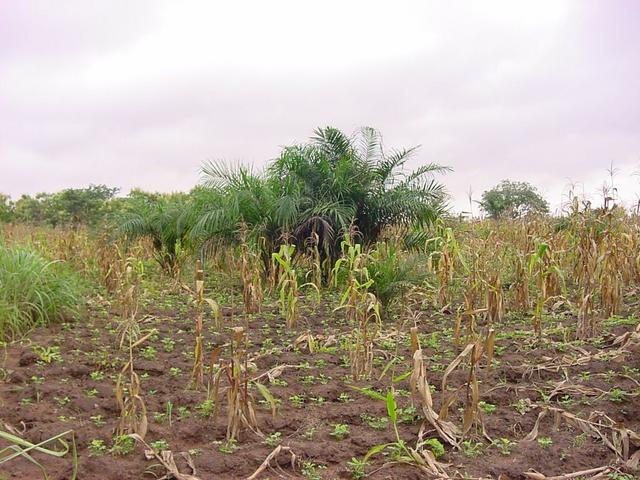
28,209
80,205
75,206
6,208
513,200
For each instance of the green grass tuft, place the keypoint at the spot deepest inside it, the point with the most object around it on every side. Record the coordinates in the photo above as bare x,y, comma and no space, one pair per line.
34,291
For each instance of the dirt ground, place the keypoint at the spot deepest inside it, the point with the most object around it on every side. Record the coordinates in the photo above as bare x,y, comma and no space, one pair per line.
40,399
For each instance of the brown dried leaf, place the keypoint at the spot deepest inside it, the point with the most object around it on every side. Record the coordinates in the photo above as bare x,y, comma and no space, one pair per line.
452,366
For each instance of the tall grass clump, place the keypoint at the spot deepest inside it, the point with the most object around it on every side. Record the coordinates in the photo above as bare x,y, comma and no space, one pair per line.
33,291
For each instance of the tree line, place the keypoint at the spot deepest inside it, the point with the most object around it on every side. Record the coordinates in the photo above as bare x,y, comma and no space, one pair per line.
314,191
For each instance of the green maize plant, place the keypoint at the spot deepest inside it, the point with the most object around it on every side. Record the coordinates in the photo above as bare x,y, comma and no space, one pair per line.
287,284
361,345
547,275
350,268
424,459
315,273
444,259
362,306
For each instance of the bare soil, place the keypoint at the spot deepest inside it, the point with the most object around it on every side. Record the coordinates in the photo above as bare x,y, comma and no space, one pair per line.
42,400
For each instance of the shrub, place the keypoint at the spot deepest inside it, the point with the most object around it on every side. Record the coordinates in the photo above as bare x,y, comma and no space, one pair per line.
392,274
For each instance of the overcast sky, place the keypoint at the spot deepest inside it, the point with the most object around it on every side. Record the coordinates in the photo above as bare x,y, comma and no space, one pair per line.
140,93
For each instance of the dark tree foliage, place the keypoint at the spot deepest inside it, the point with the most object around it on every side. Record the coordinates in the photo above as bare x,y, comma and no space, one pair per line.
162,218
6,208
513,200
81,206
72,206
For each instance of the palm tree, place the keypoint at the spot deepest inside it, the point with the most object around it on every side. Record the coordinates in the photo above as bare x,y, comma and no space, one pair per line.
237,196
342,180
165,221
322,187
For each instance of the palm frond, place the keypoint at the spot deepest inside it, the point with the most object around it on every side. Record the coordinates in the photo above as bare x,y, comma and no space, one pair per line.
386,168
423,171
369,145
219,174
333,143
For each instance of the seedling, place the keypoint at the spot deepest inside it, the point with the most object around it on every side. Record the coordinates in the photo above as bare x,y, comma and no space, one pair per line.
309,433
98,420
620,476
522,406
308,380
408,415
486,407
122,445
149,352
580,440
297,400
377,423
97,447
273,440
168,344
92,392
206,408
48,354
617,395
159,445
340,431
228,446
435,446
344,397
471,448
545,442
504,445
62,401
565,400
160,417
357,467
312,470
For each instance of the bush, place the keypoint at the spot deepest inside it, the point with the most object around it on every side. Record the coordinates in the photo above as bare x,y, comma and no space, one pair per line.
33,291
393,274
